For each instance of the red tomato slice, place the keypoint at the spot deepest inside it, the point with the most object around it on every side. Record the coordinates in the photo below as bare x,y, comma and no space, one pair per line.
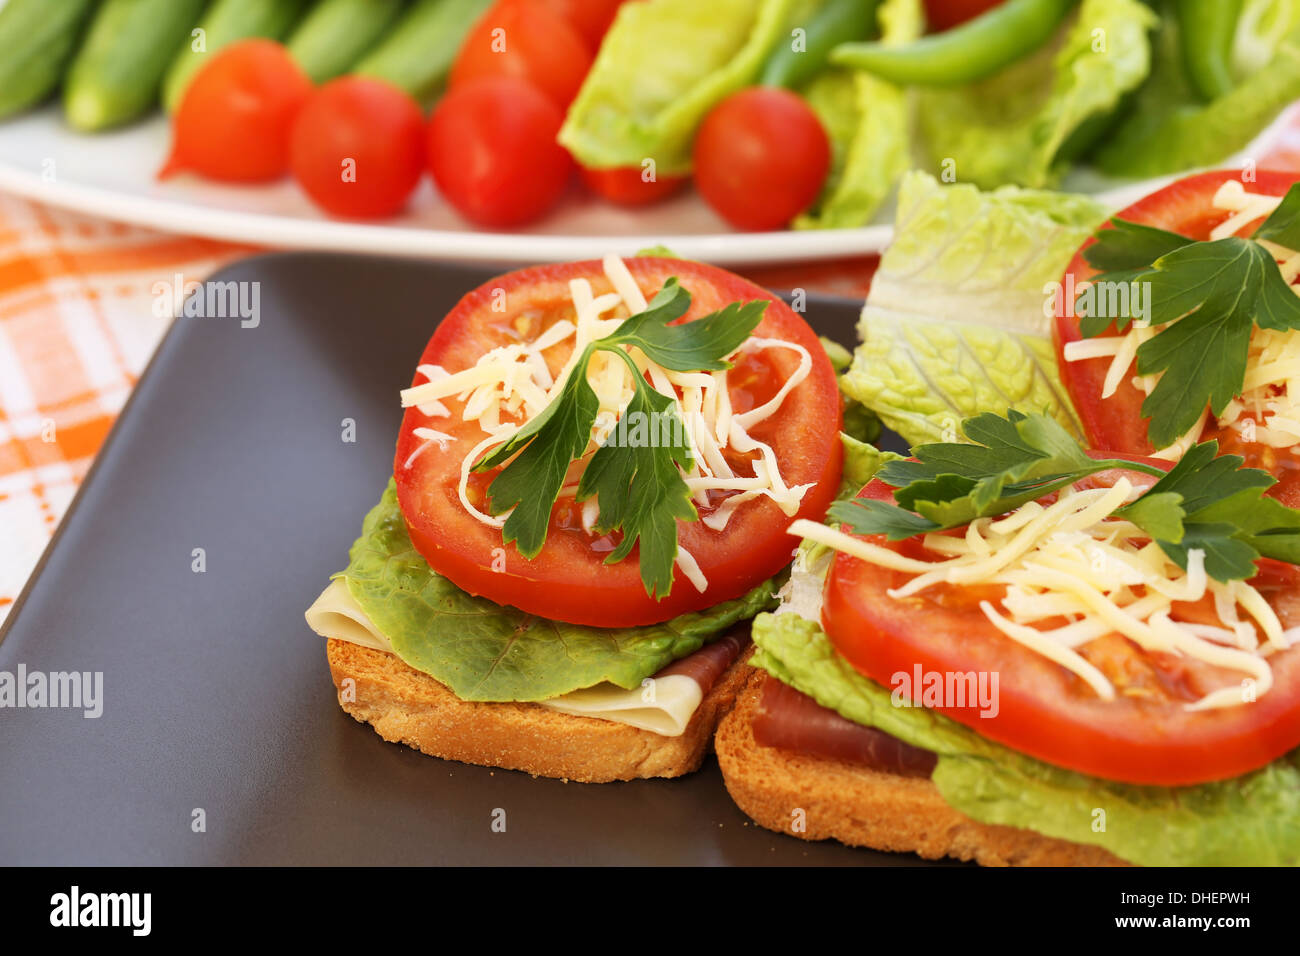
1116,423
1144,736
569,580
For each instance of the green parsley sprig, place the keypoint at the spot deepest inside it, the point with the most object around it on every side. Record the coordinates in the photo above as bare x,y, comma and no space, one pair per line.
1209,296
1204,502
639,485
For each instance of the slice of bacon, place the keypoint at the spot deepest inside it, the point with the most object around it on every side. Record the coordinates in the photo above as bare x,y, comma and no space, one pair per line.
711,661
792,720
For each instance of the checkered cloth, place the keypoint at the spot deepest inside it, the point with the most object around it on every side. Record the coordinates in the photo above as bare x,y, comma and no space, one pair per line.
76,328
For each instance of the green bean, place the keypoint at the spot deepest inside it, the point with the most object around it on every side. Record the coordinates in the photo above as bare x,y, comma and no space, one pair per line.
1208,28
972,51
840,21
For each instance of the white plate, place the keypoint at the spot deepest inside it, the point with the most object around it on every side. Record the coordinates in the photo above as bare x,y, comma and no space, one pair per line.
112,175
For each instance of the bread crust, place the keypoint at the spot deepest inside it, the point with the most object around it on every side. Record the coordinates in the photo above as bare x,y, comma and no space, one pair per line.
869,808
410,707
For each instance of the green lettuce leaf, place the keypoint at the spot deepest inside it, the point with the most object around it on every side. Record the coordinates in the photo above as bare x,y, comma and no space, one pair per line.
1019,127
1251,820
663,65
1168,128
867,120
484,651
955,322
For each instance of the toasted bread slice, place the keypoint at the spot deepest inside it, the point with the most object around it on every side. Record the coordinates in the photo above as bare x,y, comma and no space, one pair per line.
864,807
410,707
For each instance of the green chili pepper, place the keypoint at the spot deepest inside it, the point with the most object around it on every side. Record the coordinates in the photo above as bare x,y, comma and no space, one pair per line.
972,51
1208,28
839,21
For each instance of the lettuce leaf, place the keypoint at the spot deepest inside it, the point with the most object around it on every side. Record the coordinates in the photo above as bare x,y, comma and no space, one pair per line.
484,651
663,65
1168,128
955,323
1252,820
1017,127
867,120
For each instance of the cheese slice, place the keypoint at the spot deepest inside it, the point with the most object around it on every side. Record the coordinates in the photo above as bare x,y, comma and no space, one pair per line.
663,706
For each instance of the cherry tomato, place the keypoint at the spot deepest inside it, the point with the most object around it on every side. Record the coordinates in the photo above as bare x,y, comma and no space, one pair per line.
591,18
234,120
628,187
761,157
492,151
358,147
569,580
1145,736
946,14
1185,207
528,41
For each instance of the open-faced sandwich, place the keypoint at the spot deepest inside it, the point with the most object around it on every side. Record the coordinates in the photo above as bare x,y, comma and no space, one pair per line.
591,487
1017,651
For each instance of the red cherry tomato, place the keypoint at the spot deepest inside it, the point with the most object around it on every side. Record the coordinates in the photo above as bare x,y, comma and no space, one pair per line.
591,18
946,14
358,147
492,151
761,157
628,186
234,120
528,41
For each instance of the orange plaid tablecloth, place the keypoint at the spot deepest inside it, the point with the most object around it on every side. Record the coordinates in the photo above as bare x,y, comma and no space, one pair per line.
76,328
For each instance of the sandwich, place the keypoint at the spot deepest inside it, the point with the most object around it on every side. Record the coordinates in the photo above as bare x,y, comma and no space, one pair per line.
1015,651
590,489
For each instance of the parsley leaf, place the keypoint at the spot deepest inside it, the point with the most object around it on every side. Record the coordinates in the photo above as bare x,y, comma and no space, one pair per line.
1283,223
1130,246
638,486
636,480
1208,296
1204,502
694,346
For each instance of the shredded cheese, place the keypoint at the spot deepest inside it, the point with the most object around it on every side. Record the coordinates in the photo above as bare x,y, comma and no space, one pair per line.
512,384
1074,573
1268,409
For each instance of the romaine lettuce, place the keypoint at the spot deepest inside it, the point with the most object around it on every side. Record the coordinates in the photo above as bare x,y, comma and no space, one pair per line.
484,651
661,67
955,324
1168,129
867,120
1251,820
1025,123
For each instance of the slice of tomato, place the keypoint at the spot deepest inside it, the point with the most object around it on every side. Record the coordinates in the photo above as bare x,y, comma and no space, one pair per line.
569,580
1116,423
1145,735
